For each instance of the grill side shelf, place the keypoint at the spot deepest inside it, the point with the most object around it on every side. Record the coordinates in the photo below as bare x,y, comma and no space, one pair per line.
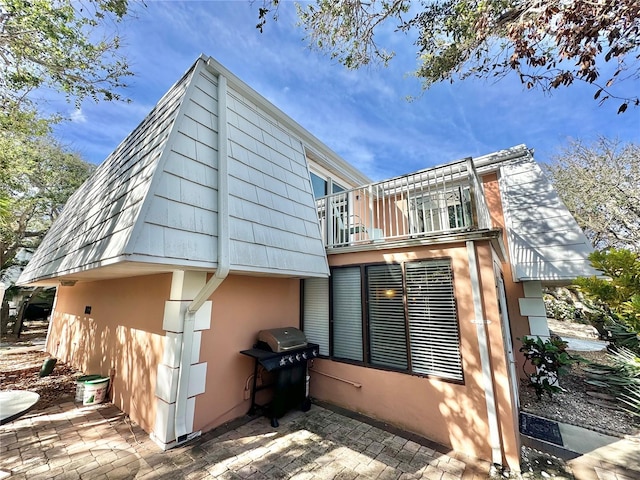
268,360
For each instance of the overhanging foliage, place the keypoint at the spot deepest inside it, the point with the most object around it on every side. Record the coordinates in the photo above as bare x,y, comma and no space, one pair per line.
548,44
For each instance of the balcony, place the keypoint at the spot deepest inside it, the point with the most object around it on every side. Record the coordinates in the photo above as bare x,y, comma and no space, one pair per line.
430,202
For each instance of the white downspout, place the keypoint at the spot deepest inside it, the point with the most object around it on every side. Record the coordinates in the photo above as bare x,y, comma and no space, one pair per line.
221,272
485,361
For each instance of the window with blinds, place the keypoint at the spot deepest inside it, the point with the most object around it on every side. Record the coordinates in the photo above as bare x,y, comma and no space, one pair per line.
433,324
315,321
387,333
408,314
347,313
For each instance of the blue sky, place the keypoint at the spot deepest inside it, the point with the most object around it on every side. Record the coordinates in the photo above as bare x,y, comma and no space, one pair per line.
362,115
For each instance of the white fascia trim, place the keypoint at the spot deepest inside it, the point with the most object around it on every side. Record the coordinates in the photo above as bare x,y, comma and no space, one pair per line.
439,239
492,161
485,360
328,164
269,272
508,224
55,277
155,264
172,263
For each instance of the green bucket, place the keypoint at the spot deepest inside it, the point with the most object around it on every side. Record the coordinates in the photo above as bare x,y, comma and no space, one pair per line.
80,383
95,391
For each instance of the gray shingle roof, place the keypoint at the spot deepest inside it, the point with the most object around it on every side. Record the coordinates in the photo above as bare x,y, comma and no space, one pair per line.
154,200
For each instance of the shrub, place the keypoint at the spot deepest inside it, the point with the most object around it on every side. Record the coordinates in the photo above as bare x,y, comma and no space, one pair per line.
561,310
620,293
549,359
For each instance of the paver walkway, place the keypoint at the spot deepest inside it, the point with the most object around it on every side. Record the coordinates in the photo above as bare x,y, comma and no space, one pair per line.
619,460
97,442
591,455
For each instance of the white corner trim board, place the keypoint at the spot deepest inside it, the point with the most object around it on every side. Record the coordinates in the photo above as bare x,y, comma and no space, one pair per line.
485,360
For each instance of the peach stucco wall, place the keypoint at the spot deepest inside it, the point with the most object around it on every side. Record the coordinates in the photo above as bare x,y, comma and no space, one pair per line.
449,413
241,307
123,332
514,291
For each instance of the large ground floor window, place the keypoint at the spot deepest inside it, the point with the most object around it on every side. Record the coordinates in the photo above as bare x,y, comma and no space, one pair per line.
394,316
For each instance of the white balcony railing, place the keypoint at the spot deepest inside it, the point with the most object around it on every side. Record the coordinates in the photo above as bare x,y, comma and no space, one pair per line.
434,201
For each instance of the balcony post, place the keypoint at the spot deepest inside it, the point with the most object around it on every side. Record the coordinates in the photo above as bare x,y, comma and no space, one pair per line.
474,192
328,205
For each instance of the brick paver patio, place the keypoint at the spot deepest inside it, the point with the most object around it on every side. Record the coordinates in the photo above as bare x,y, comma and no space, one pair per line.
98,442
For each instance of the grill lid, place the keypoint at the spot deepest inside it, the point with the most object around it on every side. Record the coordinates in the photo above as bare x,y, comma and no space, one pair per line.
282,339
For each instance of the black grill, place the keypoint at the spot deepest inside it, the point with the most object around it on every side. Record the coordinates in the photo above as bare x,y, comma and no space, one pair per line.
288,369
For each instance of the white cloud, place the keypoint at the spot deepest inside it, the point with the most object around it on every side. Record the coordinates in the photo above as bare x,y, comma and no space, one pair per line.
362,115
77,116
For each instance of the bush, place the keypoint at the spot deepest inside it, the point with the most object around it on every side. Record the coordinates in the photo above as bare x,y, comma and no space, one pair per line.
622,336
549,359
569,304
620,293
561,310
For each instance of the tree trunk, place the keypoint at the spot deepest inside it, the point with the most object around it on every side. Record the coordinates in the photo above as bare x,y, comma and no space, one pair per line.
4,316
17,326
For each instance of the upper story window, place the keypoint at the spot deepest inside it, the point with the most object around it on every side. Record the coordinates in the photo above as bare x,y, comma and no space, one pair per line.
321,186
439,211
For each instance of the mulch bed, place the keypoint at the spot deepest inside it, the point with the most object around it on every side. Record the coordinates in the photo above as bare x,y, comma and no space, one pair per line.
21,361
576,407
21,371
